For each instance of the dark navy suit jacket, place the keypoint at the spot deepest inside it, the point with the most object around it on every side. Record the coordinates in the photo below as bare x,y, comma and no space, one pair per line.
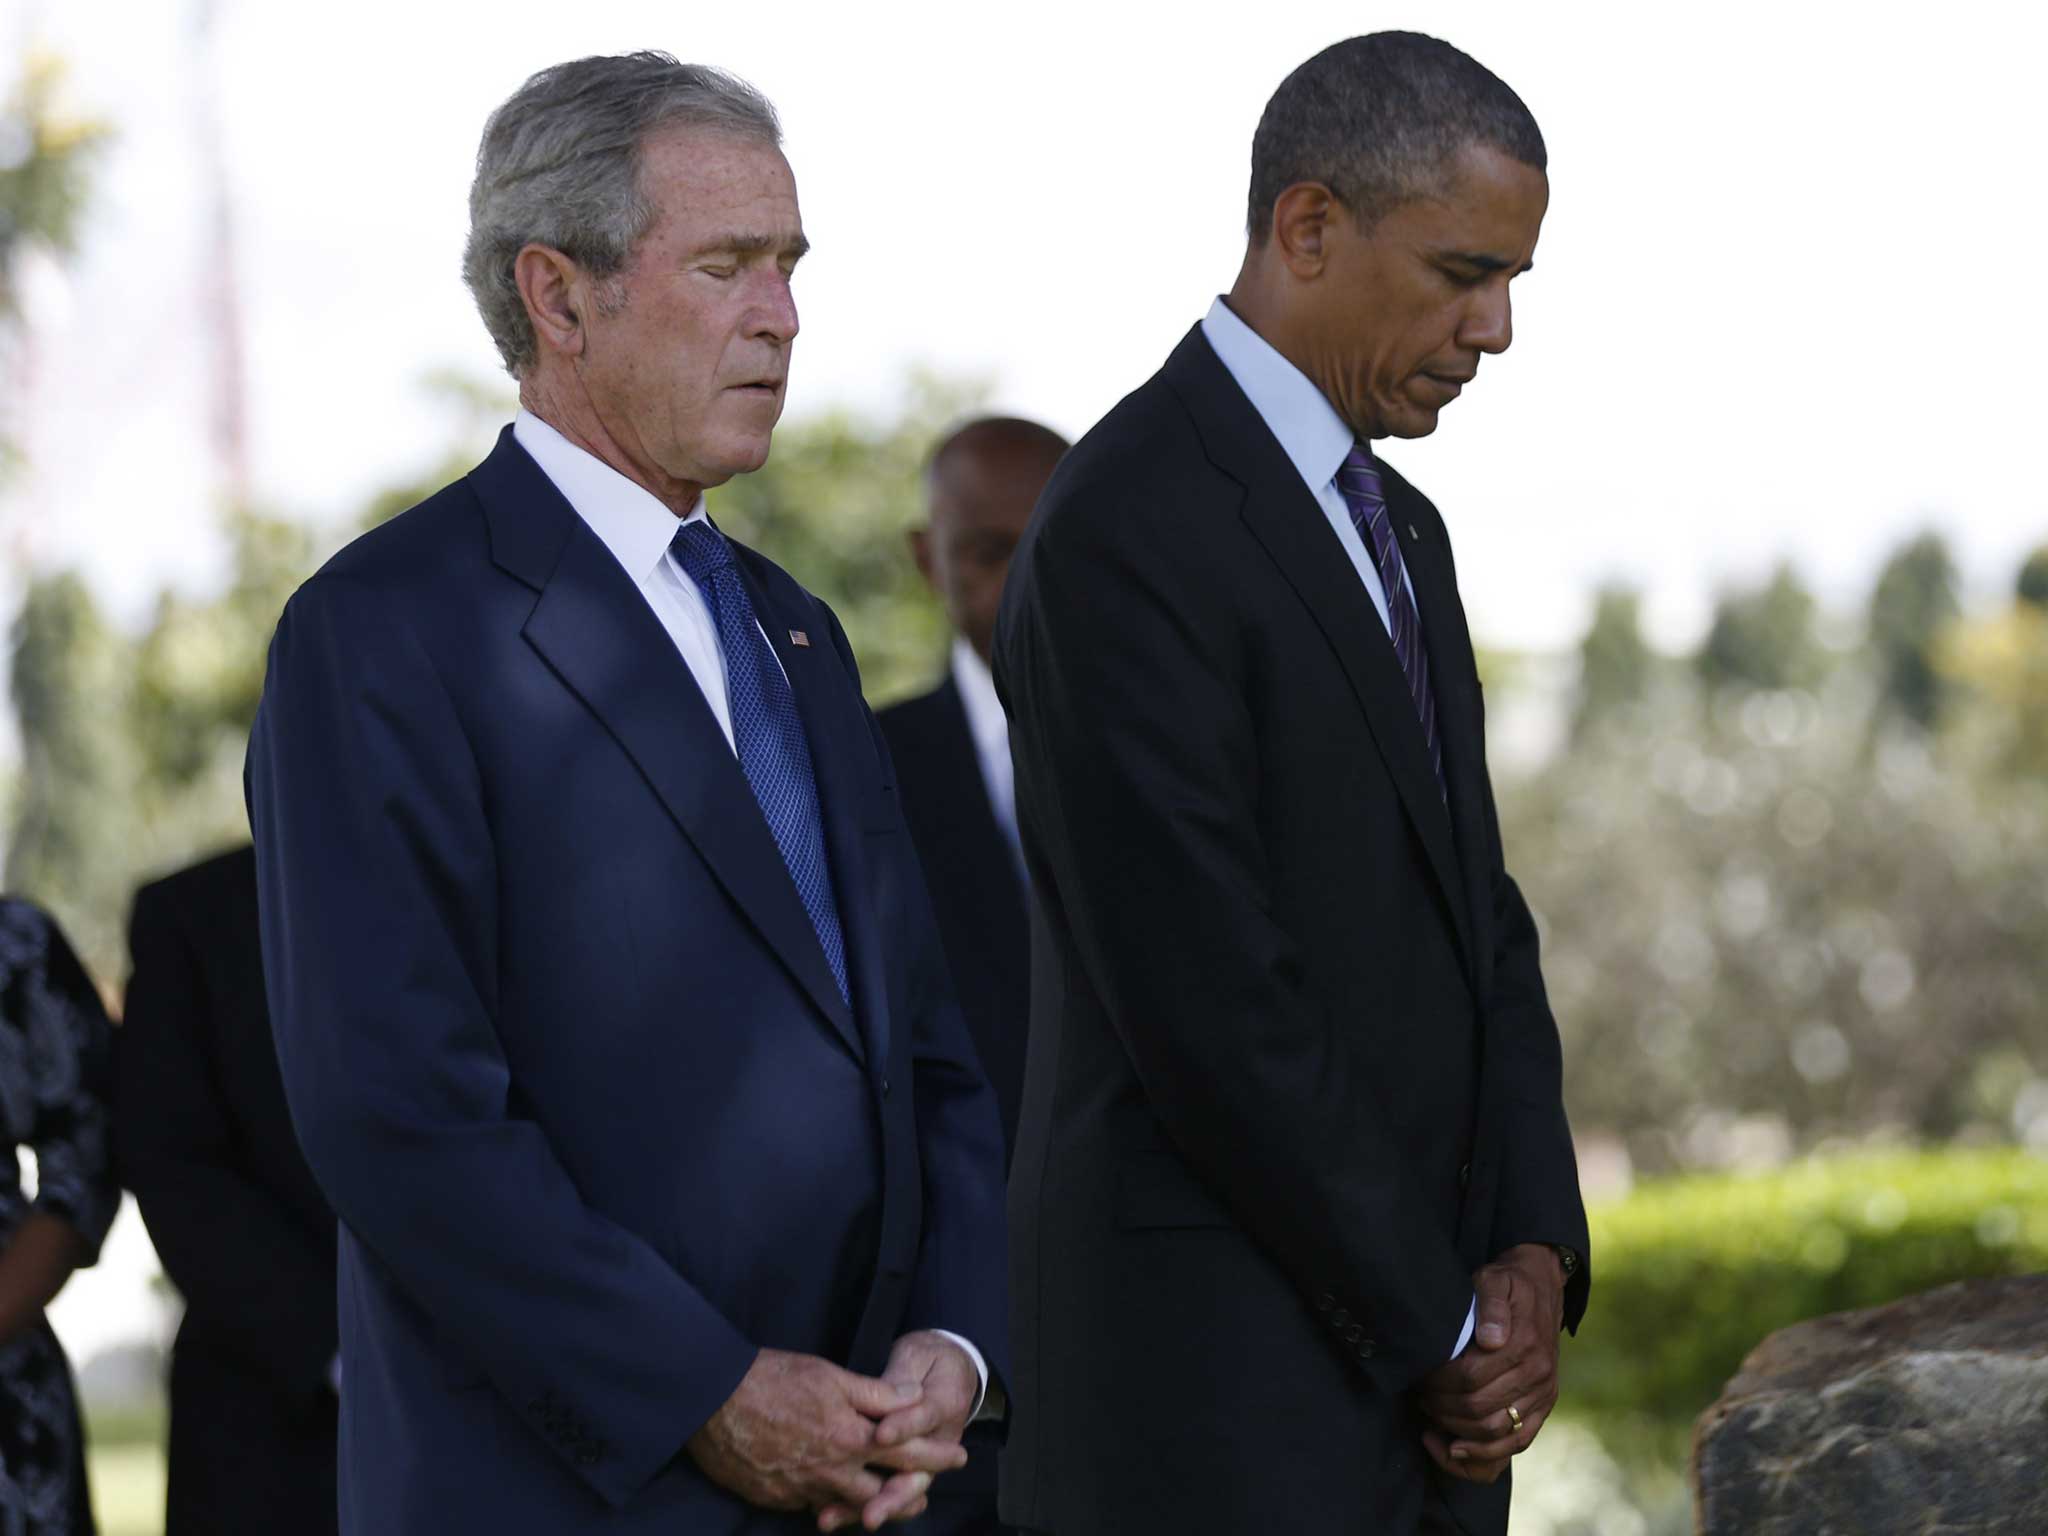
560,1043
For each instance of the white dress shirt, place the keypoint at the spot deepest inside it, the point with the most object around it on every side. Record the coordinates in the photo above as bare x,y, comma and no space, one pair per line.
1315,438
989,729
638,529
1311,433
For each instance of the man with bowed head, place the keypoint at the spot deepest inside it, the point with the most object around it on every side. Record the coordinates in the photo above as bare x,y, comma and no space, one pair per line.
611,1011
1295,1217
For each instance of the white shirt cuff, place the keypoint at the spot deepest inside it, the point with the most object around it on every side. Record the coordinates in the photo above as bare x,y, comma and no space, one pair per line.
1471,1322
980,1369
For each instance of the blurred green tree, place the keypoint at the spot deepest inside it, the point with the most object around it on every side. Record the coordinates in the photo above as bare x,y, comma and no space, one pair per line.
74,824
1764,638
46,159
1615,662
2032,586
1913,602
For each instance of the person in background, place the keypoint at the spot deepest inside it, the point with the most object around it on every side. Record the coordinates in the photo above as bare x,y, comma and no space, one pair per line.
1295,1214
612,1014
54,1063
951,746
202,1137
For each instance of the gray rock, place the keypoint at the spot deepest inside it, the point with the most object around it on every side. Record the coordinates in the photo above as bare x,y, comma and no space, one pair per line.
1927,1417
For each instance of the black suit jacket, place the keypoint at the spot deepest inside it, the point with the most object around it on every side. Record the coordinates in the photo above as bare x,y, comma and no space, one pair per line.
205,1142
1292,1074
974,881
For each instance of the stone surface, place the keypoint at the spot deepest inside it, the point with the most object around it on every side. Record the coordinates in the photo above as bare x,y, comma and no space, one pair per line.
1927,1417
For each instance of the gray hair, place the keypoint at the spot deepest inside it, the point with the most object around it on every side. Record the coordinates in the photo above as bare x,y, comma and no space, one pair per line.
560,166
1378,120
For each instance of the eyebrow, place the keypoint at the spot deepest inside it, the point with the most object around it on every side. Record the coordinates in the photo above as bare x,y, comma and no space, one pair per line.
1484,262
754,245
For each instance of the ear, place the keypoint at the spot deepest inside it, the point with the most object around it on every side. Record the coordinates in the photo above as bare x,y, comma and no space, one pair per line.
921,552
553,287
1301,225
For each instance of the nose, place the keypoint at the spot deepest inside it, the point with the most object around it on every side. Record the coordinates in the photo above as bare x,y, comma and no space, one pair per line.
774,314
1489,322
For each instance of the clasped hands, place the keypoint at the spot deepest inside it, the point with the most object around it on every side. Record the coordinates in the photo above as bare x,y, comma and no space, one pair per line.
1511,1363
802,1433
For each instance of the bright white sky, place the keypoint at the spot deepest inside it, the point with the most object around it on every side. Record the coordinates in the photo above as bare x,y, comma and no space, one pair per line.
1786,299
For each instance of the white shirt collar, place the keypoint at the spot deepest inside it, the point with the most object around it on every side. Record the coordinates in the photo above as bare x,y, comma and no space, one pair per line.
986,722
1310,431
634,525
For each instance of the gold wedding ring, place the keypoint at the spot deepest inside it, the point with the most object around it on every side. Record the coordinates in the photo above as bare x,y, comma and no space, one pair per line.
1515,1418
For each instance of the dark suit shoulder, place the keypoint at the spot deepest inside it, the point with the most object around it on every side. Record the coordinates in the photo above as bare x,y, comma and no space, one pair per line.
412,551
210,885
1145,453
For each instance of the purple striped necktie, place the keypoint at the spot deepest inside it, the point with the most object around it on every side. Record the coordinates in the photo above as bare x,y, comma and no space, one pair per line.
1358,482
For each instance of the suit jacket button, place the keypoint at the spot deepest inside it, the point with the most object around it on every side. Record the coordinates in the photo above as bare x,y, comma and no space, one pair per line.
1325,1301
1339,1318
1365,1349
885,1087
1464,1175
1354,1333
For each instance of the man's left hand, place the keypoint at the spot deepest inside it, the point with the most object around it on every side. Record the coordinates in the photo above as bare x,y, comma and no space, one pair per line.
1472,1433
908,1439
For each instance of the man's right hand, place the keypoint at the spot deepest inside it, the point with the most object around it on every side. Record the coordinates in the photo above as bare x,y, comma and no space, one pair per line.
799,1433
1512,1362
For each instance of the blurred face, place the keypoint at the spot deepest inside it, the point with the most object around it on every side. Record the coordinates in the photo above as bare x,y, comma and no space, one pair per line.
980,500
686,355
1399,317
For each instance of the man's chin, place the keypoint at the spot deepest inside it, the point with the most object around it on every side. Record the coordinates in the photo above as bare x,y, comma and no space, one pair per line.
1415,422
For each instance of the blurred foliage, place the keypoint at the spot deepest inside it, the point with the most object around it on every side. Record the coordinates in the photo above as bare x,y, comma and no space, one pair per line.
1793,916
1615,663
2032,587
45,158
73,823
1914,603
1765,638
1691,1273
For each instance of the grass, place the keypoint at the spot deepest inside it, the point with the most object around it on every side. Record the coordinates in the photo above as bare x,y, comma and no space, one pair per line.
127,1488
124,1461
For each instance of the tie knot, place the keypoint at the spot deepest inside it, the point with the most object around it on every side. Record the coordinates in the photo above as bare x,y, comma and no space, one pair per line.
1358,476
701,550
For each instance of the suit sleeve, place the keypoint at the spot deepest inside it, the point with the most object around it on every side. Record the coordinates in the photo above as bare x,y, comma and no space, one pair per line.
1539,1192
962,1279
240,1260
377,878
1138,763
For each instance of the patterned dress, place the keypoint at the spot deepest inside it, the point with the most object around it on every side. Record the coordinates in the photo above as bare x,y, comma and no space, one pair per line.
54,1061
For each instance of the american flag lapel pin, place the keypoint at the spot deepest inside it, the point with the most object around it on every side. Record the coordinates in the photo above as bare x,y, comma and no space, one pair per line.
798,637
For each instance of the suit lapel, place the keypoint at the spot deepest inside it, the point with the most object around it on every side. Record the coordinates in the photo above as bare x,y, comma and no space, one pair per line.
834,761
1283,515
603,641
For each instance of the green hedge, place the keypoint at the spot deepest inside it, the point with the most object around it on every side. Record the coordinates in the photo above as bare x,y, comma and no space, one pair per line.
1690,1273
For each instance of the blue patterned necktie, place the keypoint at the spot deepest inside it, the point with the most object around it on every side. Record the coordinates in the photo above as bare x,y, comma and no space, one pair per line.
767,732
1358,482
